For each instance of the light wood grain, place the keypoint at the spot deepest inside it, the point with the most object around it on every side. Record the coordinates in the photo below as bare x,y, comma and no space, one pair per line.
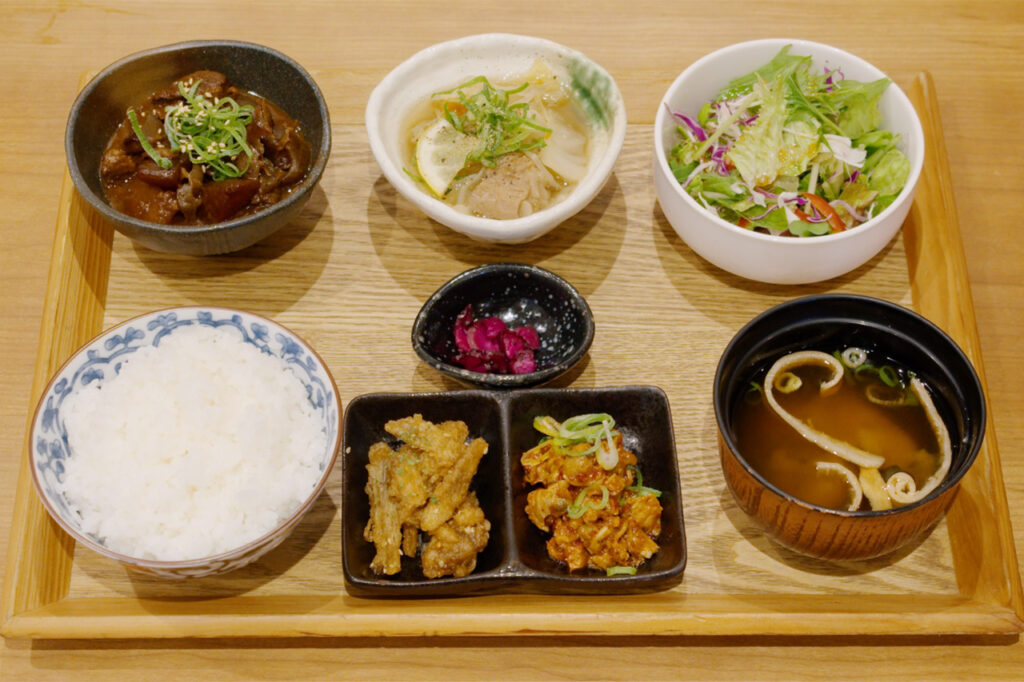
935,256
974,52
349,277
73,311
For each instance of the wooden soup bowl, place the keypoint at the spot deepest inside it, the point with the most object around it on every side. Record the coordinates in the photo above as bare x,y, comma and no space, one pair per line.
830,322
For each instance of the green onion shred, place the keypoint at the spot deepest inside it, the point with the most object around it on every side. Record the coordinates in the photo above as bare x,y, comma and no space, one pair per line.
591,429
211,132
502,128
147,147
639,488
583,503
620,570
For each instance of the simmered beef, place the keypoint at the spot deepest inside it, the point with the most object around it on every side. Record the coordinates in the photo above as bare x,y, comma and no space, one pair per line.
190,193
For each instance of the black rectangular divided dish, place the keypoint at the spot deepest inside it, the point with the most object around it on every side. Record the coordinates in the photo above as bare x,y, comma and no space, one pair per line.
516,559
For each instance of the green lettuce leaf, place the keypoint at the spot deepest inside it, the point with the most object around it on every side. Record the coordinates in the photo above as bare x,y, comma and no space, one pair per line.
722,191
756,154
877,143
804,229
683,158
858,105
799,145
858,194
831,175
890,173
779,68
774,221
882,203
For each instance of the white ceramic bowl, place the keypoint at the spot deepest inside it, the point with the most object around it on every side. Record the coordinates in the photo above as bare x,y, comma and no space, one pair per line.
762,257
100,360
495,55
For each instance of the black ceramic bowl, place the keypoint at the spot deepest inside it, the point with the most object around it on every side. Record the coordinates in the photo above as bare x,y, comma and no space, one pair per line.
515,559
828,323
101,106
520,295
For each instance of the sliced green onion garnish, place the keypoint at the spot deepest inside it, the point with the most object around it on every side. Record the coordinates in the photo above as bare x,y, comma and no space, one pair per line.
549,426
644,490
211,133
583,421
161,161
754,394
639,488
607,453
620,570
583,503
502,128
853,357
888,376
865,369
595,429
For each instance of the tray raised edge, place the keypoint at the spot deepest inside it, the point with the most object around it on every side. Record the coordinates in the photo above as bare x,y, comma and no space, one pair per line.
34,602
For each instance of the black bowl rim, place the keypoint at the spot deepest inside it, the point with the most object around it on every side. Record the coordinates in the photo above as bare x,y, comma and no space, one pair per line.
515,578
316,170
504,381
888,308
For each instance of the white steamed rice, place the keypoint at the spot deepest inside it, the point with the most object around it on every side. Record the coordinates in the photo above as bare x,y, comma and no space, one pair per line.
197,447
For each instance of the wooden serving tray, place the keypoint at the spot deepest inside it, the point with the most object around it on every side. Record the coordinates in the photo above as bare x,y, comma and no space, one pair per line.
350,275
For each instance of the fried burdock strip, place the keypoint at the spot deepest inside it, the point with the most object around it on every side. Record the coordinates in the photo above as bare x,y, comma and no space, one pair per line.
410,539
384,529
406,484
453,487
424,485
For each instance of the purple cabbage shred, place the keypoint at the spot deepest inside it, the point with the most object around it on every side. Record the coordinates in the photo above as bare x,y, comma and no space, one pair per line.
698,132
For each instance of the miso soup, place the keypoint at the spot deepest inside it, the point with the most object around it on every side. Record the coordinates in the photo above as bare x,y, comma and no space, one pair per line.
876,411
501,148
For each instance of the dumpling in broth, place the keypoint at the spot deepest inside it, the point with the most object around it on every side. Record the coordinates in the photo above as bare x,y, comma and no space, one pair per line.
503,150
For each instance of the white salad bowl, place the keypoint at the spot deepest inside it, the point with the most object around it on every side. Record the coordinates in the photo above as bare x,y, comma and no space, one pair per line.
102,359
495,55
764,257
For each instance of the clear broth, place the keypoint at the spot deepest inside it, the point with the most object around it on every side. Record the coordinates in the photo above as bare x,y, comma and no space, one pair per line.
563,113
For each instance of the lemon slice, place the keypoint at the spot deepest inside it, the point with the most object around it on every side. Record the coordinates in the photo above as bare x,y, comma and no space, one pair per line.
441,152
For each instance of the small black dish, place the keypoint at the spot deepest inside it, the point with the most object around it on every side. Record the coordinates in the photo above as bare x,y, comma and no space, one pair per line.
101,106
519,294
516,558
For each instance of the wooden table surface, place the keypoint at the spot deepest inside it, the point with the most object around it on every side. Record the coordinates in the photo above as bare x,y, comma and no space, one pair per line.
975,53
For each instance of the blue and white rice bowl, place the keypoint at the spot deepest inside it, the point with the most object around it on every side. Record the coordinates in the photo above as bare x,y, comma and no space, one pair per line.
101,360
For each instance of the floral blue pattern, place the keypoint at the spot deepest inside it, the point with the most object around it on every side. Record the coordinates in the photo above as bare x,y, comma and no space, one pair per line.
101,359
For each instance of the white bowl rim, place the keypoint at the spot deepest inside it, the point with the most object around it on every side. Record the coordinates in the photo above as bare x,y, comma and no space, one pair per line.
492,229
174,564
916,130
